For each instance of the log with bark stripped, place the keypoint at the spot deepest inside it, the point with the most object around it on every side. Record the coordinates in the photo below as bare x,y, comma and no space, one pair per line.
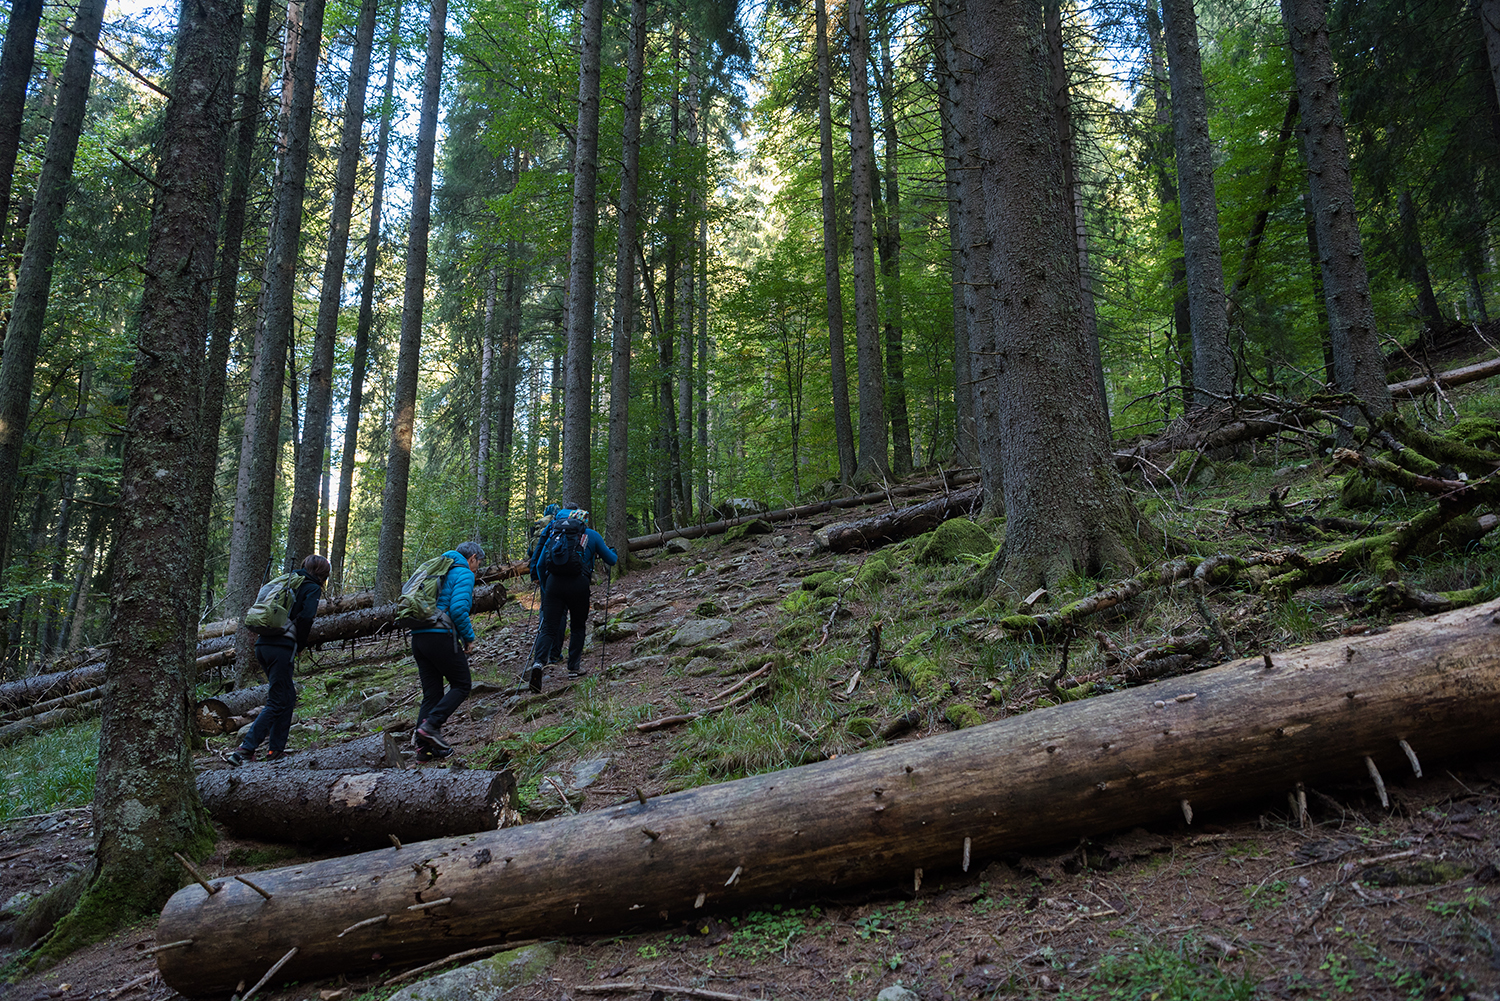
359,808
1243,731
903,523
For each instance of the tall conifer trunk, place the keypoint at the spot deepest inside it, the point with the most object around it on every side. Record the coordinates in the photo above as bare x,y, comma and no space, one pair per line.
873,458
843,430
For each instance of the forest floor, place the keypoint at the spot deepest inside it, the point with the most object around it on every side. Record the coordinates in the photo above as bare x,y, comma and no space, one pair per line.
1362,902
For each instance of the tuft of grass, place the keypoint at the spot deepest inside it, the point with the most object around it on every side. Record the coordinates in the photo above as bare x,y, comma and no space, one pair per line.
1158,972
50,771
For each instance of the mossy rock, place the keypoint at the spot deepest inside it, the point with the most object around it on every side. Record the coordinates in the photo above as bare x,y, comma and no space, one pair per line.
797,630
962,715
875,571
1426,872
695,570
813,581
1480,432
861,726
798,602
922,674
953,539
752,527
708,609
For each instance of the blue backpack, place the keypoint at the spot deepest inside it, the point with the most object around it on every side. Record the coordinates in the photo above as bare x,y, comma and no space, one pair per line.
562,554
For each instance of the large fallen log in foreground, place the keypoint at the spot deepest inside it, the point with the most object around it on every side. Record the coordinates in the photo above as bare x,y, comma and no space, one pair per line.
360,809
1246,730
902,523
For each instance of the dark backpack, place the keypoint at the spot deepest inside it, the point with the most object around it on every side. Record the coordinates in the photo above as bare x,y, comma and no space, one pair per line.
562,553
269,614
417,607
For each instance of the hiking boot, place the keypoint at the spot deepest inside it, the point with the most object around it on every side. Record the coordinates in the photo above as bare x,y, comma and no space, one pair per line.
430,738
578,672
424,755
534,677
239,756
276,755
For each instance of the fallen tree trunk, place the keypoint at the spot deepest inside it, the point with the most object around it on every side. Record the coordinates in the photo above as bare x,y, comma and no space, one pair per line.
1412,388
62,702
24,728
363,754
361,808
29,691
1245,730
892,526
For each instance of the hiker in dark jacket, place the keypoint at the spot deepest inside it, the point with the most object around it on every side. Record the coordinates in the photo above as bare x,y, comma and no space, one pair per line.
276,654
534,538
442,652
564,594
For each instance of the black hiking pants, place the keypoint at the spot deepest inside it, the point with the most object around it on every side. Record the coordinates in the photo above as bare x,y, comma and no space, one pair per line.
440,657
563,598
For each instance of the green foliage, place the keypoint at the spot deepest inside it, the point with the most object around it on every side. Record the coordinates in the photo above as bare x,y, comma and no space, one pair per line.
768,933
1156,971
52,770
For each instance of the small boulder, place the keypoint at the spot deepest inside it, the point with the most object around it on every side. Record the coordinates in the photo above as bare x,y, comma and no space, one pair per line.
696,631
952,540
896,992
678,545
489,979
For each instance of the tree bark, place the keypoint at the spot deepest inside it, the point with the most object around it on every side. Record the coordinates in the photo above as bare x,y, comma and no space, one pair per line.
1213,361
1066,509
302,521
398,464
255,493
360,809
339,545
891,526
1237,733
1489,21
15,73
890,252
1414,257
617,497
577,471
28,310
951,108
1358,366
874,461
145,808
843,430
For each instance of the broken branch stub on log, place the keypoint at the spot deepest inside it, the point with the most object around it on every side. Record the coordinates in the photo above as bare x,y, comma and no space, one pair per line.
360,809
1079,769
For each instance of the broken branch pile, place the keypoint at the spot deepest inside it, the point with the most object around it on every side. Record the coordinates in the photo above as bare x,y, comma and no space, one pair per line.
1245,730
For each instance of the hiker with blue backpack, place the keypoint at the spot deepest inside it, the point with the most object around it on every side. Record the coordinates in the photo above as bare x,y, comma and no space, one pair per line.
282,616
564,565
441,646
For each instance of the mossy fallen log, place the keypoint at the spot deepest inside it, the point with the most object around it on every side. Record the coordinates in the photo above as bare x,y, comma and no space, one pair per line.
1415,694
902,523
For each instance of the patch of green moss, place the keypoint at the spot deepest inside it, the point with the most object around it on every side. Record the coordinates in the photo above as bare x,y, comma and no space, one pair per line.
1360,491
1480,432
797,602
753,527
962,715
952,540
813,581
922,674
861,726
708,609
695,570
875,571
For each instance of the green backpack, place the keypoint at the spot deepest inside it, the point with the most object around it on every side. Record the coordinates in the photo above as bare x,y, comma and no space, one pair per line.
272,608
417,606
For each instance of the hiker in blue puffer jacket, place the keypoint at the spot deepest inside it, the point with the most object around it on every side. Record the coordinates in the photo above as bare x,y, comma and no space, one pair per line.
442,652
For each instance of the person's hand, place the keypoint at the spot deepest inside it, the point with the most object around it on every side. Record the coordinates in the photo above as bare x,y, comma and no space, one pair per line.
468,647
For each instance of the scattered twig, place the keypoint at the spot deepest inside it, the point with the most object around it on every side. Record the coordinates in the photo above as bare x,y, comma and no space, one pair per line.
140,981
484,950
270,973
742,682
561,740
631,987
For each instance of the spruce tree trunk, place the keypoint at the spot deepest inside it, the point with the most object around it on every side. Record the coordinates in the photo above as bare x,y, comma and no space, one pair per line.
1066,510
951,109
1166,188
1213,361
687,298
1358,366
874,461
843,430
28,311
1489,21
15,73
577,472
1415,259
255,483
145,804
510,372
484,427
226,295
302,521
361,354
388,576
616,523
890,254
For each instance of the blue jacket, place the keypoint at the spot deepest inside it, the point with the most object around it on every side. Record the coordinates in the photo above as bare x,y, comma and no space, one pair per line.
594,545
456,597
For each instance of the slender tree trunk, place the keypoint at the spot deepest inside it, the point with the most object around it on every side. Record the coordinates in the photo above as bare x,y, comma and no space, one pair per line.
1066,511
1213,361
15,73
398,465
339,546
951,109
702,376
1357,363
843,431
78,598
687,297
484,429
226,294
1062,106
1262,217
577,406
1415,259
28,316
510,374
301,533
873,459
250,541
145,804
1182,320
1489,22
56,629
890,254
617,495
